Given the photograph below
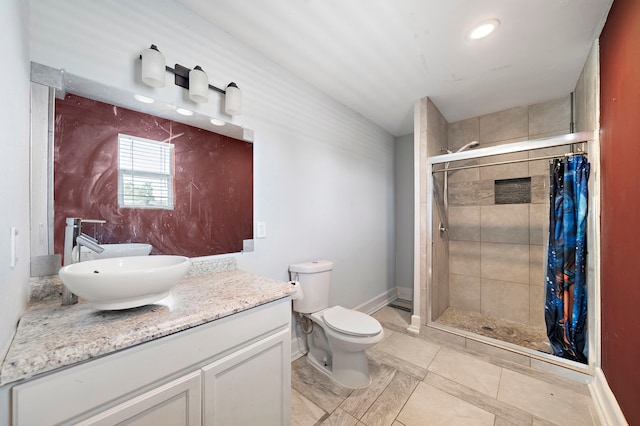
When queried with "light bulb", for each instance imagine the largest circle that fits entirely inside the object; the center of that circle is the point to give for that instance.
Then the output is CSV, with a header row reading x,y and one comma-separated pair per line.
x,y
483,29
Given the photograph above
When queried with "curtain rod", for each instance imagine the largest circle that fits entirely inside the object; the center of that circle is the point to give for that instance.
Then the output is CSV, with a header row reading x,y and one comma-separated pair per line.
x,y
546,157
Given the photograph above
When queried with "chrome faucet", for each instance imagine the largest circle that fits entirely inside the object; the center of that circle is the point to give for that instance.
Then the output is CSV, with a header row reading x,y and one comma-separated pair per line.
x,y
88,242
74,239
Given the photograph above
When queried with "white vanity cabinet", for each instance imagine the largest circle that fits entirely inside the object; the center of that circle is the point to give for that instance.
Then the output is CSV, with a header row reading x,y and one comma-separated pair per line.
x,y
249,387
232,371
177,403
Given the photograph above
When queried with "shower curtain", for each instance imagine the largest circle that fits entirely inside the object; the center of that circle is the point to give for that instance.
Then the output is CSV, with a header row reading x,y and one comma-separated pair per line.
x,y
566,290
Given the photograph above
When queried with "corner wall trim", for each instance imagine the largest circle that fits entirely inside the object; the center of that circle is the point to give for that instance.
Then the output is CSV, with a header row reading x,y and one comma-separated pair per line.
x,y
605,401
405,293
415,326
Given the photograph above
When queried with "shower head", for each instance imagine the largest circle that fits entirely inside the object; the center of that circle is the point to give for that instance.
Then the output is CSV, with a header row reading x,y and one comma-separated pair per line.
x,y
470,145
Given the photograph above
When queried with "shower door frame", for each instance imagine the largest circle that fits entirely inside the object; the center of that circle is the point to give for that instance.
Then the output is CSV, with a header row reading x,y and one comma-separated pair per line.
x,y
593,247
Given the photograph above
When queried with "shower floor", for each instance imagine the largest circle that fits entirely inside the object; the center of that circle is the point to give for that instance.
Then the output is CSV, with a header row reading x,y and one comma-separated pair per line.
x,y
524,335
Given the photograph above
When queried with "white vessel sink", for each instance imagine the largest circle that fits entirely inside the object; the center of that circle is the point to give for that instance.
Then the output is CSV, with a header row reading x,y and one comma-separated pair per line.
x,y
115,250
124,282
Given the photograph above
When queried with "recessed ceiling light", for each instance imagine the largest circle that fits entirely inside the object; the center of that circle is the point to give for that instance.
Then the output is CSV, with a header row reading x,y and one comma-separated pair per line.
x,y
183,111
143,99
217,122
483,29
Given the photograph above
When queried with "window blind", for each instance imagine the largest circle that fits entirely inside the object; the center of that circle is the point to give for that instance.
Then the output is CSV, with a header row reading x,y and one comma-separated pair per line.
x,y
145,173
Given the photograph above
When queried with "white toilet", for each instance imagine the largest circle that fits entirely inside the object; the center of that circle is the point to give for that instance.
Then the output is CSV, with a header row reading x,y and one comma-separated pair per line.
x,y
338,337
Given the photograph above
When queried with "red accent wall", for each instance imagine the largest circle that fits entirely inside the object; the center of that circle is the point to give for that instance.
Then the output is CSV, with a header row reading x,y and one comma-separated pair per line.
x,y
213,182
620,220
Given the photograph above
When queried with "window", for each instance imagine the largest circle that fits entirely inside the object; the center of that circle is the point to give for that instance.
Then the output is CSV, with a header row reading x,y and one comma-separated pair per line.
x,y
145,173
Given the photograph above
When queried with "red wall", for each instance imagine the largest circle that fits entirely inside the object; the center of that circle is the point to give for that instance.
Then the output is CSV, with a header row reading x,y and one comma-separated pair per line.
x,y
213,182
620,221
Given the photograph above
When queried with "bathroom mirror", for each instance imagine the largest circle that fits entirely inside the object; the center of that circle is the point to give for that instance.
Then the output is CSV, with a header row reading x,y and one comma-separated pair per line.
x,y
212,181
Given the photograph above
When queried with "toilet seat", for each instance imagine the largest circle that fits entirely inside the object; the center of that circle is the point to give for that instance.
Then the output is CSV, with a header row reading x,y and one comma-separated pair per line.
x,y
350,322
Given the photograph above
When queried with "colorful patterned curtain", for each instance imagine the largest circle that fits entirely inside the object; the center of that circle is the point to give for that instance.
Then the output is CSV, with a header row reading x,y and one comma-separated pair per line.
x,y
566,289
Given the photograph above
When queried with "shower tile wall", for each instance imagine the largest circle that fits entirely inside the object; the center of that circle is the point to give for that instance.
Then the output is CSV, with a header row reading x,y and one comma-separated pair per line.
x,y
496,252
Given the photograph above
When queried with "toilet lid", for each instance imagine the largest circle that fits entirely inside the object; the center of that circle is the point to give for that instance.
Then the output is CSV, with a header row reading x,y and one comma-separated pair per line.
x,y
351,322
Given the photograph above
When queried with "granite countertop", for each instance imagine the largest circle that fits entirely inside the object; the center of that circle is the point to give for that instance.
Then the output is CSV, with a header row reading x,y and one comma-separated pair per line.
x,y
51,336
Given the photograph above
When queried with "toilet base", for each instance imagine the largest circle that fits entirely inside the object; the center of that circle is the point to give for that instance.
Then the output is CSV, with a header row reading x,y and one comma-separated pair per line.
x,y
341,357
342,371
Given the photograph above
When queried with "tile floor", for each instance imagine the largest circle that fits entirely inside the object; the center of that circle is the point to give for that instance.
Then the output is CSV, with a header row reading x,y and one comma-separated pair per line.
x,y
428,381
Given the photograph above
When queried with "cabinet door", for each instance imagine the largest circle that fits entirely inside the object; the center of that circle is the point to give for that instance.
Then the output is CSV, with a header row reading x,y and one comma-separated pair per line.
x,y
175,403
251,386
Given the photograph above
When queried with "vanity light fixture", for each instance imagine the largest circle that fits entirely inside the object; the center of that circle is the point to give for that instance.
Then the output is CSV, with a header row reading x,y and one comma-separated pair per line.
x,y
153,67
198,85
233,100
195,80
483,29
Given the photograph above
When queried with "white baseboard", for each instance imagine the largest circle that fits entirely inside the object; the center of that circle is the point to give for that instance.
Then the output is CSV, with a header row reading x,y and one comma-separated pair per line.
x,y
298,345
295,350
377,302
605,401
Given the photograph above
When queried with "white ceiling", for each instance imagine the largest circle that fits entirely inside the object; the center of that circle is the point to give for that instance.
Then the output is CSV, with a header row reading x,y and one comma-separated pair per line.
x,y
379,56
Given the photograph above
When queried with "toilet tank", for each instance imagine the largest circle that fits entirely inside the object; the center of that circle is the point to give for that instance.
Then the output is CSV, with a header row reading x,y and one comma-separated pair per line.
x,y
315,282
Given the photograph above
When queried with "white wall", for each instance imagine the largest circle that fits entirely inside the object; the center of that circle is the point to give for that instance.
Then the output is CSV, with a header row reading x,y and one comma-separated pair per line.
x,y
14,177
323,174
404,213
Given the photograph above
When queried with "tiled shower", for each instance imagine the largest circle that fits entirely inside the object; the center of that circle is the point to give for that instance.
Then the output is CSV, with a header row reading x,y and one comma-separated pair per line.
x,y
489,264
483,278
